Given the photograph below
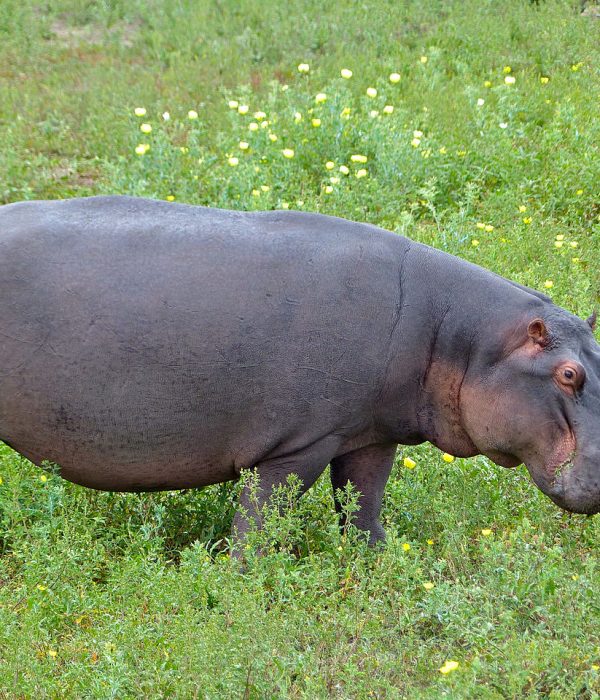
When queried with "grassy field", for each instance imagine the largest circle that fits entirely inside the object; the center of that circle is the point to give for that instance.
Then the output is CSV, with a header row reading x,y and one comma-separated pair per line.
x,y
485,144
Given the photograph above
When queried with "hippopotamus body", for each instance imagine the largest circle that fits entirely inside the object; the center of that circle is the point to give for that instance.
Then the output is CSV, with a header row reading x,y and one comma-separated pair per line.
x,y
147,345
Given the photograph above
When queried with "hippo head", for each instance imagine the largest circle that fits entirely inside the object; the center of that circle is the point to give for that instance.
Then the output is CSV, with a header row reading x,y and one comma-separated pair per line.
x,y
534,397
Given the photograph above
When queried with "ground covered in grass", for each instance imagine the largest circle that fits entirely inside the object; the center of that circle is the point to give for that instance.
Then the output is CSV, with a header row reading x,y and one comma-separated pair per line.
x,y
470,126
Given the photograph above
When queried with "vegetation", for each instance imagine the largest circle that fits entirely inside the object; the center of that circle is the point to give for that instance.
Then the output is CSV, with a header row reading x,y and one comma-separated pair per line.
x,y
486,145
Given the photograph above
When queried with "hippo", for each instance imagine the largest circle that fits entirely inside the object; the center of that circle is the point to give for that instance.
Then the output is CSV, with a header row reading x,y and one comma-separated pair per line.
x,y
147,345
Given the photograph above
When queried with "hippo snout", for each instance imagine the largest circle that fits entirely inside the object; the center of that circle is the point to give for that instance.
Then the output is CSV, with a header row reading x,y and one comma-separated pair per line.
x,y
577,487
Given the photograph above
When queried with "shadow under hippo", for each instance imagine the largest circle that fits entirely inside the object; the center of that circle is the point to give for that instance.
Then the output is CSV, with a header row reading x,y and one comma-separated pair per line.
x,y
147,345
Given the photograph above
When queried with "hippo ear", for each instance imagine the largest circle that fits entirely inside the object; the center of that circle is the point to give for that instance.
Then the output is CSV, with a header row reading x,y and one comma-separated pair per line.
x,y
538,332
591,320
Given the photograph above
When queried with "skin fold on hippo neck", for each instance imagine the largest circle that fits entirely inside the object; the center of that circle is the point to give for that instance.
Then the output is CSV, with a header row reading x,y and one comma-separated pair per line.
x,y
431,357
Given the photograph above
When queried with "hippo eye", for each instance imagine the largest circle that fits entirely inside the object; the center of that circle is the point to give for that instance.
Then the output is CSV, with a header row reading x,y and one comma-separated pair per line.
x,y
570,377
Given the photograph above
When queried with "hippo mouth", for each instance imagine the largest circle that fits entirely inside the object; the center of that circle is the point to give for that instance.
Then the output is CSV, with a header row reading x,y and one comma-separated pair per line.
x,y
550,476
567,489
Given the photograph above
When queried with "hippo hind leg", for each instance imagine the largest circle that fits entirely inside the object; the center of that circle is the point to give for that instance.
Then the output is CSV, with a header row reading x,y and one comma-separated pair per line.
x,y
308,464
367,469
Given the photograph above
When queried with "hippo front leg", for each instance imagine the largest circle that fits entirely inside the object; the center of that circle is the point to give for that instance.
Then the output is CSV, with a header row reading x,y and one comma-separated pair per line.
x,y
308,464
367,469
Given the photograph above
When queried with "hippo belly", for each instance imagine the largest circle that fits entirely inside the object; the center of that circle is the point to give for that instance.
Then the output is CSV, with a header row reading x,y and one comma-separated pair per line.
x,y
151,346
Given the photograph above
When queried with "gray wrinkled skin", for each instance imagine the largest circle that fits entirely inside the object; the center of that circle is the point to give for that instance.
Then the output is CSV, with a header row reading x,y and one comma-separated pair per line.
x,y
146,345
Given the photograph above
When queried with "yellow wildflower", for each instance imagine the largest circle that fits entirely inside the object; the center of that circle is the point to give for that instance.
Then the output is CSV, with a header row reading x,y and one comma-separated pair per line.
x,y
320,97
315,122
480,225
297,117
371,92
573,244
243,109
486,532
488,228
145,128
548,284
344,169
361,173
388,109
544,80
253,126
334,180
288,152
560,237
142,148
233,104
558,244
579,192
374,113
510,80
273,137
170,198
192,114
303,68
522,208
406,547
394,77
346,73
265,188
42,588
233,161
527,220
430,542
415,142
507,69
423,59
244,145
166,116
449,666
428,585
259,115
474,242
330,165
328,189
409,463
487,83
140,111
43,478
447,457
358,158
52,653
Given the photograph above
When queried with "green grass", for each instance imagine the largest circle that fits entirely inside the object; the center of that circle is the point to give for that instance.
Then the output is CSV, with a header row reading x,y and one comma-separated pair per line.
x,y
127,596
